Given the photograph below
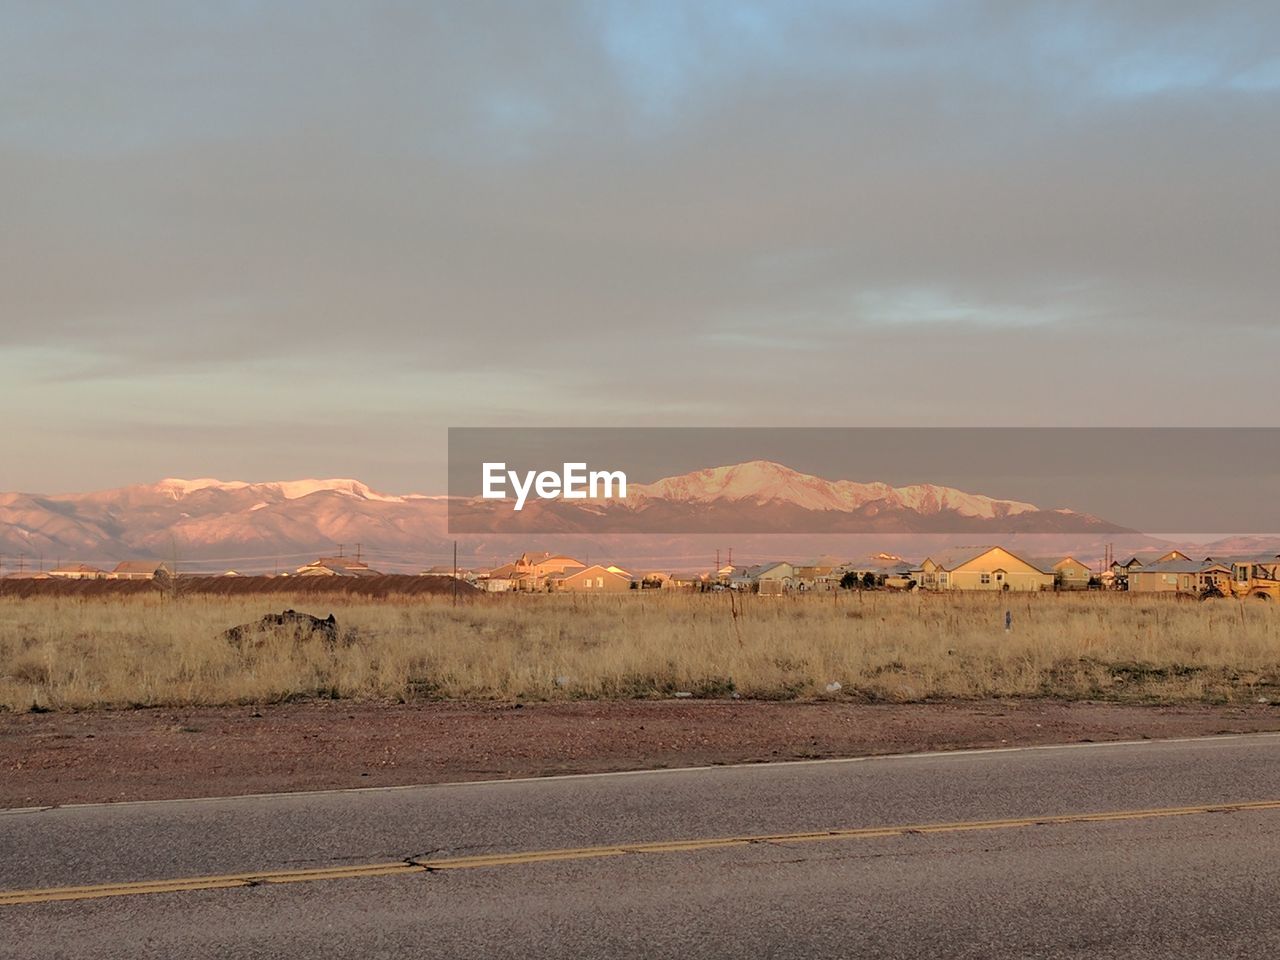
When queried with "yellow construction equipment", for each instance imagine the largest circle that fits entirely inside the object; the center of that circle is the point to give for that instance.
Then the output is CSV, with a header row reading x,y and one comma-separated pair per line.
x,y
1249,578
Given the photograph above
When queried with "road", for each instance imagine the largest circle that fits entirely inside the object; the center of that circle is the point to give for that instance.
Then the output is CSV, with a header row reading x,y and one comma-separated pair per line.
x,y
1153,849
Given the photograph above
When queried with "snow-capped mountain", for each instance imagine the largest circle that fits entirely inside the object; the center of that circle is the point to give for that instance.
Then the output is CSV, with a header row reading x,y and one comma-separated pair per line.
x,y
289,489
206,518
764,482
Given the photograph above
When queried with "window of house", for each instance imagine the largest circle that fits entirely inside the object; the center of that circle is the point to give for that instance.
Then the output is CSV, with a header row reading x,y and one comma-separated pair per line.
x,y
986,578
599,581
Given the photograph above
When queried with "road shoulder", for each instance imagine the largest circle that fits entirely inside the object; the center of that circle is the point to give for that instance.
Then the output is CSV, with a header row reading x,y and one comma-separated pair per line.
x,y
103,756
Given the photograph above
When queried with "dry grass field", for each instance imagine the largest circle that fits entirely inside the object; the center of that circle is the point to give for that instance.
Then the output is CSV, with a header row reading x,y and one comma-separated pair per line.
x,y
152,650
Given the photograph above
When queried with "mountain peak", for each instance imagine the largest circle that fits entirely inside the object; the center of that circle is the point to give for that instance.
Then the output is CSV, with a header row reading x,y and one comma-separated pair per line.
x,y
767,481
757,480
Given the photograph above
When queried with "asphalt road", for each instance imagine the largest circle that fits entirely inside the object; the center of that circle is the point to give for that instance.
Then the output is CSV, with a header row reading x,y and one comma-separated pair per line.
x,y
1159,849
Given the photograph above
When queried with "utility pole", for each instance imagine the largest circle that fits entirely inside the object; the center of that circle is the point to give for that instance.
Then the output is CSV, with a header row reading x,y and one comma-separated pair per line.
x,y
455,573
22,559
357,553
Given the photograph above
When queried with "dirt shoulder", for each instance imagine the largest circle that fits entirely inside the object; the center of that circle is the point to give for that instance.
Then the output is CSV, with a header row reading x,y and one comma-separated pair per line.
x,y
49,759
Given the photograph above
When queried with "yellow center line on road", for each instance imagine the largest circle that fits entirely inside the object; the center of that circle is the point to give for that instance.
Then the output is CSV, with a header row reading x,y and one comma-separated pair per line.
x,y
519,858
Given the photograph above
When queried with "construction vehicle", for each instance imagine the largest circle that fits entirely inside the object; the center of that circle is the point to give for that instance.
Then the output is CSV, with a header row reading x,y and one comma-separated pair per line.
x,y
1257,578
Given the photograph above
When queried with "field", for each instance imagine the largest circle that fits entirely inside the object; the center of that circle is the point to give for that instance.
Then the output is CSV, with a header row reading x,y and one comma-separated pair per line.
x,y
73,653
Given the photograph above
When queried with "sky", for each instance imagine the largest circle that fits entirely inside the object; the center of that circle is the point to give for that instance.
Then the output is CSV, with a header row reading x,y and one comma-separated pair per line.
x,y
268,241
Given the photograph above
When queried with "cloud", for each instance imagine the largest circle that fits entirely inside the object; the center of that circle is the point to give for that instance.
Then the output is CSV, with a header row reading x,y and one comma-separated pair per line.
x,y
707,211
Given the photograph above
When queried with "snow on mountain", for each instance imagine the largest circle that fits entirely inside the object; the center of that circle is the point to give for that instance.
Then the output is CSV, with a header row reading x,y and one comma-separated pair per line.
x,y
758,481
927,498
296,489
767,482
177,488
288,489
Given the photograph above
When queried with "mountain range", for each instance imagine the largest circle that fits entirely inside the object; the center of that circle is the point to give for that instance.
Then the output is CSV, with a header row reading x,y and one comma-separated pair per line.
x,y
215,524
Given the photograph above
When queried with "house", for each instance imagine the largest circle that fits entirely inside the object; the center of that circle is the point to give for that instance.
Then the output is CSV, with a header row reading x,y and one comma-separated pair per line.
x,y
774,577
592,579
818,574
767,578
1068,572
816,577
78,571
336,567
505,578
1191,577
686,581
980,568
779,571
531,570
880,569
544,563
140,570
528,572
1116,577
1120,570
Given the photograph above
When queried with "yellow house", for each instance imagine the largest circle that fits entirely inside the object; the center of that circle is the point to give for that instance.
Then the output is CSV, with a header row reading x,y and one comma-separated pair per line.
x,y
1069,573
592,579
980,568
532,571
541,565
